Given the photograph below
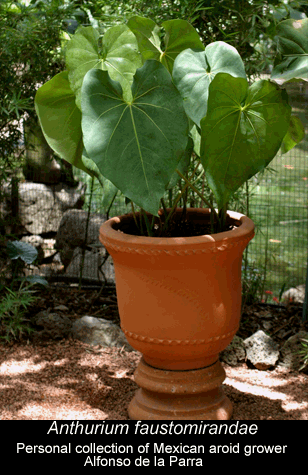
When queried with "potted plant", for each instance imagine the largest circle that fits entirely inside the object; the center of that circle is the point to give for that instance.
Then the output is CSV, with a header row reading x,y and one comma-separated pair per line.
x,y
131,112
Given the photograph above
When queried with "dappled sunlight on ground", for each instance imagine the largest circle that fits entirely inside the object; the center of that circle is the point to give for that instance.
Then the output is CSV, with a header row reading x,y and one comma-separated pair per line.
x,y
71,380
272,394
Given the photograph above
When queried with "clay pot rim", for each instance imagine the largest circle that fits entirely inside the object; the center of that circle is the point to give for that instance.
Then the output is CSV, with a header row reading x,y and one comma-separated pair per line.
x,y
109,232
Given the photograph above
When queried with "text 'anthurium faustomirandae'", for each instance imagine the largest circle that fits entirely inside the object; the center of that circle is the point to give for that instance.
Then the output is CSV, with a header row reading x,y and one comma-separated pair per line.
x,y
242,131
135,144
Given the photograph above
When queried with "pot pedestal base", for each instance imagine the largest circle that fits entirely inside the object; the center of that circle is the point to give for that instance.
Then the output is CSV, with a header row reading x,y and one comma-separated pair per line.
x,y
180,395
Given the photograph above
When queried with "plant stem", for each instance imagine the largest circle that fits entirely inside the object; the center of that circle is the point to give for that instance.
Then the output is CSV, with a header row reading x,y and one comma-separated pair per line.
x,y
147,223
164,207
170,198
110,206
134,215
86,235
198,192
180,194
222,218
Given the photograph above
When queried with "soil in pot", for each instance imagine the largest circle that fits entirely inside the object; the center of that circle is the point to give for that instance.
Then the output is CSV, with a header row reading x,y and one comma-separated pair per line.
x,y
178,226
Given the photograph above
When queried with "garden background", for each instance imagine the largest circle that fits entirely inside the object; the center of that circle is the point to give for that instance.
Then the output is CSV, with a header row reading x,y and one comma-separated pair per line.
x,y
33,36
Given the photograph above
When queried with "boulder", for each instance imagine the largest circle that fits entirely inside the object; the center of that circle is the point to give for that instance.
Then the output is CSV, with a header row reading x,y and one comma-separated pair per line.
x,y
72,229
52,325
289,353
41,206
48,246
295,295
99,331
261,350
5,199
234,353
71,239
92,265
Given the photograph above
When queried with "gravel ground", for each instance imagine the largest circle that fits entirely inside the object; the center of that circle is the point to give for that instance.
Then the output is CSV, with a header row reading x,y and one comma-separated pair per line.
x,y
68,379
71,380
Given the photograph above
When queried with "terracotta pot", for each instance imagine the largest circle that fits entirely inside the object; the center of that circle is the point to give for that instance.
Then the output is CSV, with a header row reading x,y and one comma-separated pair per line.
x,y
179,300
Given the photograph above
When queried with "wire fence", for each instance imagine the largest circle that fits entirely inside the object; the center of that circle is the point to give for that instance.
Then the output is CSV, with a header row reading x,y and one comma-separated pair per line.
x,y
278,205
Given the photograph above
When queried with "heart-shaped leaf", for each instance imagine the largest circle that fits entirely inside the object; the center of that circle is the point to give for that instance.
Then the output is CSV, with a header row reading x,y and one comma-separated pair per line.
x,y
183,164
136,145
60,119
179,35
118,54
148,37
193,72
242,131
292,61
36,279
24,250
295,134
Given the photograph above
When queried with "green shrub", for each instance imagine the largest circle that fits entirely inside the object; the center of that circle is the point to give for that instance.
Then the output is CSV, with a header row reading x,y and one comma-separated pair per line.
x,y
30,52
20,294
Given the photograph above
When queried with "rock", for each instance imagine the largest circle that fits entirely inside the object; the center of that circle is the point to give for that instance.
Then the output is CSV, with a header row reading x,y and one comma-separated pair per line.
x,y
92,265
234,353
5,201
261,350
70,240
98,331
72,229
53,325
289,357
295,295
62,308
41,206
48,246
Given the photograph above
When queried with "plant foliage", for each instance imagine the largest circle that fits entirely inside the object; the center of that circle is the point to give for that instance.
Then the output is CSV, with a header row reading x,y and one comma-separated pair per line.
x,y
132,100
292,61
16,298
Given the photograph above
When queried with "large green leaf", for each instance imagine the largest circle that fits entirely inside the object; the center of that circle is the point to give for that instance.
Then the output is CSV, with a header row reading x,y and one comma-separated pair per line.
x,y
183,164
60,119
179,35
193,72
118,54
147,33
292,62
242,131
136,145
294,136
